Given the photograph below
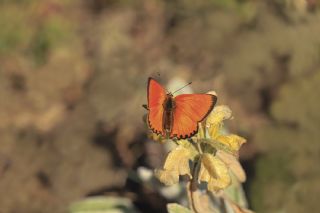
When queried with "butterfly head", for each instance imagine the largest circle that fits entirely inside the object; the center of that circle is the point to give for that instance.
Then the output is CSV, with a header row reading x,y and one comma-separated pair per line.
x,y
169,103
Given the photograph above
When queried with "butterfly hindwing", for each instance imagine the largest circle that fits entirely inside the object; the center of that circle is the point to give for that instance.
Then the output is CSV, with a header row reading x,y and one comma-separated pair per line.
x,y
156,97
189,110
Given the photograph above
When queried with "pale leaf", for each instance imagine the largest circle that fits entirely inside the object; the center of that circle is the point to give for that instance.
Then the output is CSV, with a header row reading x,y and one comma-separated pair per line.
x,y
200,201
192,152
214,130
176,163
178,160
214,172
233,164
233,141
215,118
219,114
167,177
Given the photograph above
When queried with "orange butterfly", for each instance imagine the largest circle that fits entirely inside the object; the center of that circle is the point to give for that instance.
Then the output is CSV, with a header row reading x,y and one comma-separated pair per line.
x,y
176,117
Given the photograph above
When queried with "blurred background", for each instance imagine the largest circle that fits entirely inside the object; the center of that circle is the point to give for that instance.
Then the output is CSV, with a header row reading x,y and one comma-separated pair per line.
x,y
73,77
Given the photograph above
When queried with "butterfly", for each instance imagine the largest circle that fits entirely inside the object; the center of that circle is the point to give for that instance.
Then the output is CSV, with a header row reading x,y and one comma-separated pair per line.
x,y
176,117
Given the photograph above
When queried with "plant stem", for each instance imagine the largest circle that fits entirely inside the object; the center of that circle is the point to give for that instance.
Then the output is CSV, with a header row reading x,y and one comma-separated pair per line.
x,y
199,148
192,187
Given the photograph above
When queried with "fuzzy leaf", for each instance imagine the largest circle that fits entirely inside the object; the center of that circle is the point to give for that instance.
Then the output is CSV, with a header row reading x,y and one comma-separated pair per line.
x,y
219,114
177,163
234,142
214,130
192,152
178,160
167,177
214,120
214,172
233,164
176,208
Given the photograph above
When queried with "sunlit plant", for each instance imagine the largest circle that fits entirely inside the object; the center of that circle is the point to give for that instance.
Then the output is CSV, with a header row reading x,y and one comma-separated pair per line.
x,y
209,163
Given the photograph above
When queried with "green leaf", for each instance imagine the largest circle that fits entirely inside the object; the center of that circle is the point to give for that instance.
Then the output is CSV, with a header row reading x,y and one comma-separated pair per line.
x,y
102,205
176,208
218,145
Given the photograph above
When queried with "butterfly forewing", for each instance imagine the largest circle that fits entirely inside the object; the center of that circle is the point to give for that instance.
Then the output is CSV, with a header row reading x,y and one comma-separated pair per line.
x,y
189,110
156,97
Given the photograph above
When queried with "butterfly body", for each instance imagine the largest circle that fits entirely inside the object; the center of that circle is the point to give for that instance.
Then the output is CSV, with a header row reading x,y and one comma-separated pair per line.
x,y
168,111
176,117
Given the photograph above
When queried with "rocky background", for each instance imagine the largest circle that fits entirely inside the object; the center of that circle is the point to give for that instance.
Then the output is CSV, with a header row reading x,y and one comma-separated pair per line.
x,y
73,78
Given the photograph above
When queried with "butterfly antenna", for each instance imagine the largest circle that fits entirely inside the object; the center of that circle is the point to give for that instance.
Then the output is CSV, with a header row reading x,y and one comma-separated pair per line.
x,y
182,87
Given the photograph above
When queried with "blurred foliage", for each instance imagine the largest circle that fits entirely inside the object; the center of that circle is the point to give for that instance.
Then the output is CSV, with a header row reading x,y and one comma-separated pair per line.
x,y
176,208
293,148
72,81
53,33
17,33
